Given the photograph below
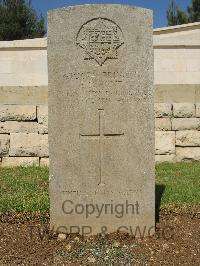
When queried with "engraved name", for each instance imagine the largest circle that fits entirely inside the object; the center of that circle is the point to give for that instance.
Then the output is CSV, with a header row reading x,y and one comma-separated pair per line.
x,y
116,76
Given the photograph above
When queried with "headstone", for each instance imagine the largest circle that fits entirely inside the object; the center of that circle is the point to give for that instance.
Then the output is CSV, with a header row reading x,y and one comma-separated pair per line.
x,y
101,119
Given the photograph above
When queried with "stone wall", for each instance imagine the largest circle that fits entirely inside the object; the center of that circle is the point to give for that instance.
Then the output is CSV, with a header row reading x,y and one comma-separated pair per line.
x,y
24,97
24,133
177,132
177,54
176,58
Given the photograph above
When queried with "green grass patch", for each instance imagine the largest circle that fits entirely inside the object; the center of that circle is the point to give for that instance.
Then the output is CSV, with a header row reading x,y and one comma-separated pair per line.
x,y
180,183
26,189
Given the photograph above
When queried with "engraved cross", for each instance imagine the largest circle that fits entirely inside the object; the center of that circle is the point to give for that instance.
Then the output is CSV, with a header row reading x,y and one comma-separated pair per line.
x,y
101,136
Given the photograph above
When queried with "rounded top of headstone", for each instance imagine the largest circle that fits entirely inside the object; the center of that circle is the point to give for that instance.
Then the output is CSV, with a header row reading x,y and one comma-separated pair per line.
x,y
100,6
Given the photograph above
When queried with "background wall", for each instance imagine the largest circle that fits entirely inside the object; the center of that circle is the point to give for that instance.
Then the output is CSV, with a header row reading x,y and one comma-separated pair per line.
x,y
24,97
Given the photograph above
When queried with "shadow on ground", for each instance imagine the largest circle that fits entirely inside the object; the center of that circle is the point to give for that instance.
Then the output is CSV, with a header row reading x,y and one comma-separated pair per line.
x,y
159,190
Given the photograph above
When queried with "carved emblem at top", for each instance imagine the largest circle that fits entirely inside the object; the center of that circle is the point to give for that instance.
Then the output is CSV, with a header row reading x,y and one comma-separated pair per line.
x,y
100,38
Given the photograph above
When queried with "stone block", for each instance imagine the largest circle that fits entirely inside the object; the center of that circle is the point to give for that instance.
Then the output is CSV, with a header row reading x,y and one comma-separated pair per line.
x,y
184,110
4,144
174,93
19,161
165,158
185,123
24,95
22,144
42,116
197,109
162,124
187,154
18,127
17,112
164,142
188,138
163,109
44,161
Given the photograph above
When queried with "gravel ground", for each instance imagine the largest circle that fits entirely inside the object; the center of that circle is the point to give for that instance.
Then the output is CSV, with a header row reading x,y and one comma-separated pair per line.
x,y
25,240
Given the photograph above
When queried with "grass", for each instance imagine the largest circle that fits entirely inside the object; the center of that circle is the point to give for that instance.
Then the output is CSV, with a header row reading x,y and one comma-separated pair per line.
x,y
26,189
180,183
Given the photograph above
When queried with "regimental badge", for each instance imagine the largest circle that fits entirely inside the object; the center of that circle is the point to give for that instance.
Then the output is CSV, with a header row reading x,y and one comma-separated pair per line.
x,y
100,38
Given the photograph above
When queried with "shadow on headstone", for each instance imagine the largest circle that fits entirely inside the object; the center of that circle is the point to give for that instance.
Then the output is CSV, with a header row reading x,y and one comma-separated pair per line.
x,y
159,192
